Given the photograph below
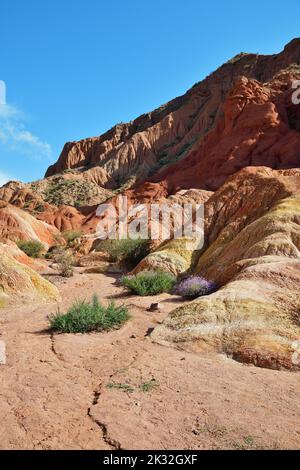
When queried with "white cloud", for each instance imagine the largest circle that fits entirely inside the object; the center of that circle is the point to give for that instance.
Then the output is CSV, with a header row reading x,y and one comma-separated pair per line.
x,y
15,136
8,112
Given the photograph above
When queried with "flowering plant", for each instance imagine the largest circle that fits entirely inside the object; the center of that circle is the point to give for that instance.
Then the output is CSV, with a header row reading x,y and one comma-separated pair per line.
x,y
194,286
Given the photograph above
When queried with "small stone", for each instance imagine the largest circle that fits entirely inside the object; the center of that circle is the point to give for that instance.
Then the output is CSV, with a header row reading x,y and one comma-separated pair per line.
x,y
155,307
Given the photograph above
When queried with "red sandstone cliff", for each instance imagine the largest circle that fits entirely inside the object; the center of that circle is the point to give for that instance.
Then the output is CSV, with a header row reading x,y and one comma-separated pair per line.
x,y
175,131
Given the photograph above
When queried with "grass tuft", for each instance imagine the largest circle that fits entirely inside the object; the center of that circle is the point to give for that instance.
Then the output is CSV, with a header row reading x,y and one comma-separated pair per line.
x,y
149,386
149,283
84,317
118,386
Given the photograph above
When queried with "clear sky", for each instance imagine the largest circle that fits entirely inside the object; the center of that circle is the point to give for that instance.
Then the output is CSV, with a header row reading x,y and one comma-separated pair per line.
x,y
75,68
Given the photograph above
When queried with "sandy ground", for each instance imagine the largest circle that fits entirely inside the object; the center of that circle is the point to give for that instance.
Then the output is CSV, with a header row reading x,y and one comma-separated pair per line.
x,y
119,390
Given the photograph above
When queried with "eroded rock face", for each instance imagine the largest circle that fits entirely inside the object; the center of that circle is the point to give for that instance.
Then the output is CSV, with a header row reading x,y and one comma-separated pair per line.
x,y
253,252
11,248
17,224
62,201
177,255
64,218
19,280
21,195
260,126
174,131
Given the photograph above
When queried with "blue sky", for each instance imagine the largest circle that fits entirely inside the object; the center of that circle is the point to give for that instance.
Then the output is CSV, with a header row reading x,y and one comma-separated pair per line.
x,y
74,68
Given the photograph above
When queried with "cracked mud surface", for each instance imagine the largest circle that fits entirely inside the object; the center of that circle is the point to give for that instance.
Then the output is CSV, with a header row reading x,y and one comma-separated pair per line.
x,y
119,390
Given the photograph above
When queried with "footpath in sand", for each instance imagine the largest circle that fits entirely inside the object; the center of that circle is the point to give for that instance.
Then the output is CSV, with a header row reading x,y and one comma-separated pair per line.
x,y
119,390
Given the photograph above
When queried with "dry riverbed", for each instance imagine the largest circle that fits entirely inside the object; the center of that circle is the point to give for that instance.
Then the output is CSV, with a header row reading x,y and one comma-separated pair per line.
x,y
119,390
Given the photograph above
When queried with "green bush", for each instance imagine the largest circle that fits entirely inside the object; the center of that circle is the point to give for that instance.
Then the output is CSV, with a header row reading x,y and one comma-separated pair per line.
x,y
52,252
32,248
149,386
65,261
149,283
84,317
130,252
71,236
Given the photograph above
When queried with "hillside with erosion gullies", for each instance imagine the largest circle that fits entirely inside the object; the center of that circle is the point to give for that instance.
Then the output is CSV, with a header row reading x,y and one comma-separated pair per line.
x,y
175,370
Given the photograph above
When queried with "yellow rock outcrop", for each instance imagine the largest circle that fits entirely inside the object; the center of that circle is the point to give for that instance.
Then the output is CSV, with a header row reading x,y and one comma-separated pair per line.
x,y
19,280
254,256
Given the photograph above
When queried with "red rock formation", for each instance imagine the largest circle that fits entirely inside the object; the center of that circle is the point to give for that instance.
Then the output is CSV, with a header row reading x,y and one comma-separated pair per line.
x,y
260,126
63,218
167,134
241,115
16,224
30,198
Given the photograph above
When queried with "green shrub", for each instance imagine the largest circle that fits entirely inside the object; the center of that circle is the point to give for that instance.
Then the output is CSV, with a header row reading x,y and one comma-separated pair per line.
x,y
130,252
65,261
149,386
51,252
32,248
125,387
84,317
71,236
149,283
119,386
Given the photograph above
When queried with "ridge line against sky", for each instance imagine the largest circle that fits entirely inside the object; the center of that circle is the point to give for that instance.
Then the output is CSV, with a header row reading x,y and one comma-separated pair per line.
x,y
74,69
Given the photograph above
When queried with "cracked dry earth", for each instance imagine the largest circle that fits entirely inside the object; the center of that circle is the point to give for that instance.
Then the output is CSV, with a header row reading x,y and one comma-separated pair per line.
x,y
92,391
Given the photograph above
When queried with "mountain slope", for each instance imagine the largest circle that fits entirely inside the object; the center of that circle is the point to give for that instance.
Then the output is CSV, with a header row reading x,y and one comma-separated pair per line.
x,y
140,148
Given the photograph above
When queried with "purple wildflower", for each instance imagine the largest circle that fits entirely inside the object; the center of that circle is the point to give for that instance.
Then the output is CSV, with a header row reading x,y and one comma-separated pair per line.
x,y
195,286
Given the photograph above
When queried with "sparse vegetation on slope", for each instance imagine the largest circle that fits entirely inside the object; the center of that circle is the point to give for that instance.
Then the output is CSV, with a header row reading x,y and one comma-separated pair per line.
x,y
69,189
70,236
31,248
